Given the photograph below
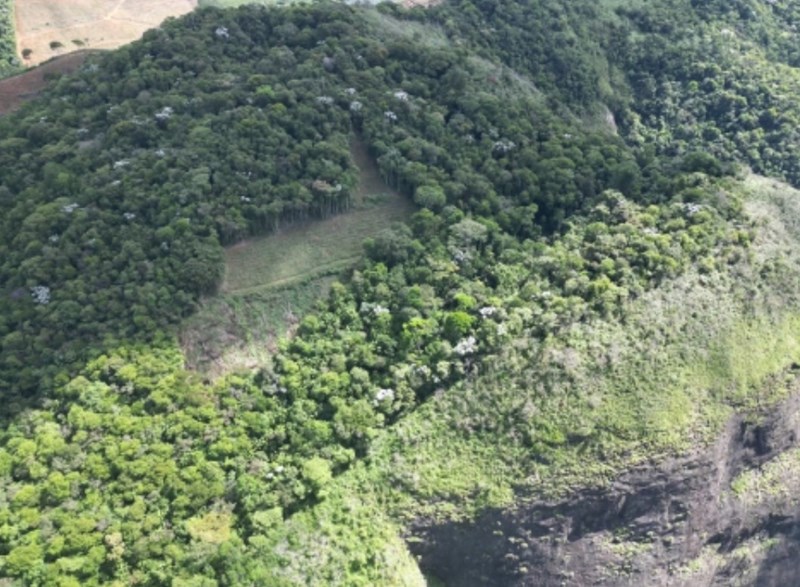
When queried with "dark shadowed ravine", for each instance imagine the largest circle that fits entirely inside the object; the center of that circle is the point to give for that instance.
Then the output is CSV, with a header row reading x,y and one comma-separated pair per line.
x,y
679,523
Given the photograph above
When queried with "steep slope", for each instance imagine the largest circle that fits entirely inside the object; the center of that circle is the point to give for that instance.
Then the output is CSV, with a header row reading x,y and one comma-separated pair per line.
x,y
720,509
664,458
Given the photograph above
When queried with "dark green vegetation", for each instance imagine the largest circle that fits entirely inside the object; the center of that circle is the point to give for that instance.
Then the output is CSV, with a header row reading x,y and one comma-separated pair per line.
x,y
9,62
566,300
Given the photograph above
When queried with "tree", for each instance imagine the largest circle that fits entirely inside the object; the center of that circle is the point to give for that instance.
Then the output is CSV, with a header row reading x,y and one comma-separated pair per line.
x,y
430,196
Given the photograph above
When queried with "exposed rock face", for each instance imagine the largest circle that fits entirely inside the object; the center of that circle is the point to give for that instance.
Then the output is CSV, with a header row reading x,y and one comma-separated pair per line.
x,y
726,515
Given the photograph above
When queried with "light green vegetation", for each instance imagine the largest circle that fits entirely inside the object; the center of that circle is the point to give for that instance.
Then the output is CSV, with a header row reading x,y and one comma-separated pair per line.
x,y
745,557
564,305
348,540
611,393
231,332
661,382
776,482
454,466
430,465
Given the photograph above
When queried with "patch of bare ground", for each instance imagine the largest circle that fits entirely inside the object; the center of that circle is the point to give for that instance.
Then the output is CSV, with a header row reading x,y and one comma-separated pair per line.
x,y
47,28
16,90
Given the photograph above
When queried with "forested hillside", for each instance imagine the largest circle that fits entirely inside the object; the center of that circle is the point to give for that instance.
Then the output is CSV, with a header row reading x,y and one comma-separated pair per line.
x,y
573,294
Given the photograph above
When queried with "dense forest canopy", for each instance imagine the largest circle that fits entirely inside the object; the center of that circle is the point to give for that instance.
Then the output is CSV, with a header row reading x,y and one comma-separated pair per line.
x,y
9,62
566,159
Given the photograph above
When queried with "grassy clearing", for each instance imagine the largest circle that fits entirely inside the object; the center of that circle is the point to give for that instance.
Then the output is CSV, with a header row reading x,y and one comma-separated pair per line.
x,y
296,254
233,332
318,248
272,280
421,33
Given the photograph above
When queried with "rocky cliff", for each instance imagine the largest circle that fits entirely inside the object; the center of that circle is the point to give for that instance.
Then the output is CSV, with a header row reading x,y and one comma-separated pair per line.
x,y
725,514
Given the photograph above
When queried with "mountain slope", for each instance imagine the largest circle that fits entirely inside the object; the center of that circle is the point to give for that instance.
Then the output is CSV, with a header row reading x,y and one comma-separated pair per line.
x,y
585,287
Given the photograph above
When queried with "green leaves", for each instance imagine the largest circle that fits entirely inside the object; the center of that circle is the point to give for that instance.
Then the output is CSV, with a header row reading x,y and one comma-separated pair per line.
x,y
121,185
317,472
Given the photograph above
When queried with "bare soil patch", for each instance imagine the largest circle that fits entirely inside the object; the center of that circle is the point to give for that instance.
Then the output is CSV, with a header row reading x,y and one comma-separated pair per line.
x,y
14,91
47,28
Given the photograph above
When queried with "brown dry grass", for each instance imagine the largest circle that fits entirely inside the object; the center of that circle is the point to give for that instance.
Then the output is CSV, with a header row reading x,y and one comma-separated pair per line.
x,y
16,90
96,24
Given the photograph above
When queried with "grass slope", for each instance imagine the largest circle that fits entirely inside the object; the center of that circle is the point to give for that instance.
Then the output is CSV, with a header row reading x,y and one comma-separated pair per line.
x,y
302,252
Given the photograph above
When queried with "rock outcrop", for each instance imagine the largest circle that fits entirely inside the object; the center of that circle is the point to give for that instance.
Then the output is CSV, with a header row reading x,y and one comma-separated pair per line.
x,y
725,515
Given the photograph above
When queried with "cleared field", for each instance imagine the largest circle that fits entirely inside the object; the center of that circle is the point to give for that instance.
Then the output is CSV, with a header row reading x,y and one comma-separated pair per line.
x,y
240,332
326,246
321,247
273,281
46,28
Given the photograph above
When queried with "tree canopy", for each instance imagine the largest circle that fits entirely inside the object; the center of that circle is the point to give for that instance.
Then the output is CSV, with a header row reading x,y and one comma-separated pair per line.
x,y
122,183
